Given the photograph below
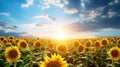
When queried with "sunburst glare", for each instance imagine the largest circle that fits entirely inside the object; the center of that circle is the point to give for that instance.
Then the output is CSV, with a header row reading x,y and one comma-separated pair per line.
x,y
60,34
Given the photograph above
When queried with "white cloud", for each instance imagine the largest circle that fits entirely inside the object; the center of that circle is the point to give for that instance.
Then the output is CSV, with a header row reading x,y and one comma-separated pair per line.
x,y
29,3
109,29
48,3
36,28
46,16
94,14
66,2
37,25
82,4
111,3
117,1
82,15
7,27
103,16
29,25
5,14
70,11
114,2
111,13
101,8
25,34
89,16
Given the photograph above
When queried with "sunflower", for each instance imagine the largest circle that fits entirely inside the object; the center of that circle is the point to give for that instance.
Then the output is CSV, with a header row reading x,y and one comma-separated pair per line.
x,y
16,41
5,41
118,38
1,46
114,53
81,48
62,48
2,38
54,61
49,40
11,37
37,44
97,44
8,44
104,42
12,54
50,45
22,44
11,40
37,38
89,43
76,44
118,42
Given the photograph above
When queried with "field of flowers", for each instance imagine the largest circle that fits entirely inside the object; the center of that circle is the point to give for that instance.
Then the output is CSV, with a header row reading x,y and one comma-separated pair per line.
x,y
38,52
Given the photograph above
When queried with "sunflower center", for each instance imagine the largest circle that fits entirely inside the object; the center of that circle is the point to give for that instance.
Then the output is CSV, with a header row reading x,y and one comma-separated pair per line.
x,y
62,48
9,44
104,42
2,39
50,45
23,44
88,44
115,53
11,38
53,64
37,44
119,42
17,41
13,54
81,48
76,44
5,41
97,44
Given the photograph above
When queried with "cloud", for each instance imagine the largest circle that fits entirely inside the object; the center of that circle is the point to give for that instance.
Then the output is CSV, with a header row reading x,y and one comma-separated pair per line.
x,y
25,34
5,13
114,2
83,3
6,27
46,16
29,25
46,25
70,11
38,25
111,13
97,15
68,6
66,2
7,30
93,26
48,3
72,7
16,34
29,3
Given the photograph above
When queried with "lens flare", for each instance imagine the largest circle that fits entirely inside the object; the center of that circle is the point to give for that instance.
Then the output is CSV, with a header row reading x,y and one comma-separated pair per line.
x,y
60,35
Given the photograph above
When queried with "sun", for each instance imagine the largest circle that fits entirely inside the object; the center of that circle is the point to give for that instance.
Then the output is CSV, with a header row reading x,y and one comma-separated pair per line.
x,y
60,34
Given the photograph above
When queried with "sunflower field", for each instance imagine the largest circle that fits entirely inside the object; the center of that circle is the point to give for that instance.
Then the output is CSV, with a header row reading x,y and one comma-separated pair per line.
x,y
40,52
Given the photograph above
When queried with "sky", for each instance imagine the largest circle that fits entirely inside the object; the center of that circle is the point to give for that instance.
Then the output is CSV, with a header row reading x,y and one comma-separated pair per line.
x,y
45,18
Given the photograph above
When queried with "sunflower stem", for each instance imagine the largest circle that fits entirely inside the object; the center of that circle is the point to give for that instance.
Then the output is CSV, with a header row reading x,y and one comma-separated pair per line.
x,y
31,57
113,63
14,64
87,58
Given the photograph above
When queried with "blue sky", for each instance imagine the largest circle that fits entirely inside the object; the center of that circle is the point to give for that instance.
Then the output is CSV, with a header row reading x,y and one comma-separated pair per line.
x,y
43,18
